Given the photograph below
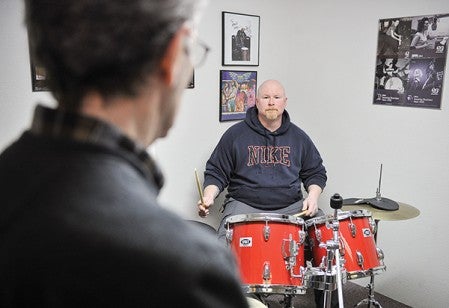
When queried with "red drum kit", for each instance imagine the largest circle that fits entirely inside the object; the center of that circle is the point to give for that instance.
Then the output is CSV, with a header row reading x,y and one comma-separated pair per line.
x,y
270,251
283,254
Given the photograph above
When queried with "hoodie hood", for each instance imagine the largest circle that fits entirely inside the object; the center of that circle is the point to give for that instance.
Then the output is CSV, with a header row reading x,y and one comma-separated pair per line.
x,y
252,120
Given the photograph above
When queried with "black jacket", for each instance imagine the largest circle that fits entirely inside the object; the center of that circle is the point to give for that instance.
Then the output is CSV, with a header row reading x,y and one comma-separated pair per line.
x,y
80,227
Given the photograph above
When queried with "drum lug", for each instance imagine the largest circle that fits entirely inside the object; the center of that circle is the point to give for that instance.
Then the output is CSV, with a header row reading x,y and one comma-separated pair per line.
x,y
372,225
352,229
229,235
302,237
266,274
342,247
360,259
380,254
266,232
318,235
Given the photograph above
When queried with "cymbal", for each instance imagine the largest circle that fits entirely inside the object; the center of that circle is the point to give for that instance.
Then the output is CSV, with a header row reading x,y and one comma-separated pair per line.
x,y
380,203
404,212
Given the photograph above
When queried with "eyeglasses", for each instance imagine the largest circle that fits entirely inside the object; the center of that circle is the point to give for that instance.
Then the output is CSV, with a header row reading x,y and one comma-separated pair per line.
x,y
199,53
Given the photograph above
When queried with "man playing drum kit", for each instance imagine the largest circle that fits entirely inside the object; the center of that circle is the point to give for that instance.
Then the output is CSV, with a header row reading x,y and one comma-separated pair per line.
x,y
263,161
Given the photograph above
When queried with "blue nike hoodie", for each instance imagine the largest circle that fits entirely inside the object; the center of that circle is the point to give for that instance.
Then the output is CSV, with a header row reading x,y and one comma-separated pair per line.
x,y
265,169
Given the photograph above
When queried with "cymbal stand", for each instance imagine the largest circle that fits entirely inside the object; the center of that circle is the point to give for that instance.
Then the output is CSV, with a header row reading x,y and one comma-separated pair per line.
x,y
370,300
333,251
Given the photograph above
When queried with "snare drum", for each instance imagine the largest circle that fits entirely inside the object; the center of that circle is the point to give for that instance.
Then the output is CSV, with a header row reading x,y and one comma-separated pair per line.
x,y
361,257
269,251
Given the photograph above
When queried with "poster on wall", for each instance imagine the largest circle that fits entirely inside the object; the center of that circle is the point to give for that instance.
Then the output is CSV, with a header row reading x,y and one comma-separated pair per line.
x,y
237,94
411,59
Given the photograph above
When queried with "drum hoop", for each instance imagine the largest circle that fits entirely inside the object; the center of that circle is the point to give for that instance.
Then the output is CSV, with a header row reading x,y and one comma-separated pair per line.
x,y
365,273
341,216
273,288
360,213
267,217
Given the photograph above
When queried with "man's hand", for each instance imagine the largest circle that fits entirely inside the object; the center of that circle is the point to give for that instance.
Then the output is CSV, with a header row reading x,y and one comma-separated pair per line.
x,y
210,192
310,204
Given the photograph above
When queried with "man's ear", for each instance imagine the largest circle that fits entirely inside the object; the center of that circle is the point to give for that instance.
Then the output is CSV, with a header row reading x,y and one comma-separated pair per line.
x,y
172,52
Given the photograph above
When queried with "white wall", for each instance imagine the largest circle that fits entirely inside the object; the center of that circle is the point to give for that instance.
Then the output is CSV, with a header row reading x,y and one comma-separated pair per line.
x,y
324,52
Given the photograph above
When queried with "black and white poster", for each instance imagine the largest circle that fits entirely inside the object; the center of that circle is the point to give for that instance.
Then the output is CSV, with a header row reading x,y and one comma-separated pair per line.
x,y
411,59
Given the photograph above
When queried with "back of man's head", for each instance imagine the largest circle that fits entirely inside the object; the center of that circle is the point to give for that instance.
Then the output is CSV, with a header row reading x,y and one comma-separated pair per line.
x,y
110,46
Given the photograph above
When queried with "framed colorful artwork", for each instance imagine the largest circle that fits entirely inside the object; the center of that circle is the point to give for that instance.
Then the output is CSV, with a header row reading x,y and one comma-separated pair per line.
x,y
237,94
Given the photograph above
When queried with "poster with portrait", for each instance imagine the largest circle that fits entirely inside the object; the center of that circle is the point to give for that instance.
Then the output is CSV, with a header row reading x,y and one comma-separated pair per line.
x,y
411,59
237,94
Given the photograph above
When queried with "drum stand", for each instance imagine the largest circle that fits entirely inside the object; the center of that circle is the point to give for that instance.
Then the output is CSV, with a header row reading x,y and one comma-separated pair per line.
x,y
370,300
333,251
287,301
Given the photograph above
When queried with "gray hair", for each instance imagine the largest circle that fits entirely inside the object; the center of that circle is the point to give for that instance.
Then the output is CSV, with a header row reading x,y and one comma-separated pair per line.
x,y
110,46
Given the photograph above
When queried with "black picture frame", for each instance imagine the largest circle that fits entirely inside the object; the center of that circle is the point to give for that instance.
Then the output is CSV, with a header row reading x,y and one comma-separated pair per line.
x,y
237,94
240,39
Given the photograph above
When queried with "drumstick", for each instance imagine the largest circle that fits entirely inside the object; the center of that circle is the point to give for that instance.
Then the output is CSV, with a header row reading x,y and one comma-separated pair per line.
x,y
300,214
198,185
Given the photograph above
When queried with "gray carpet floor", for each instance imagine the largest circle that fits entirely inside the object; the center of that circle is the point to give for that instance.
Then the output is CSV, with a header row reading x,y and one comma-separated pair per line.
x,y
352,295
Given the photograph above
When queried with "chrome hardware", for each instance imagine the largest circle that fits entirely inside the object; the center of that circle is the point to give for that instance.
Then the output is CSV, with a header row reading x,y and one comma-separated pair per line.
x,y
229,234
318,235
372,225
290,252
266,275
380,254
266,231
323,262
342,247
360,259
289,255
302,237
352,228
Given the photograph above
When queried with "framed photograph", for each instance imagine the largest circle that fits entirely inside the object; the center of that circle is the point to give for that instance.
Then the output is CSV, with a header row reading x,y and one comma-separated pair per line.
x,y
240,39
237,94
